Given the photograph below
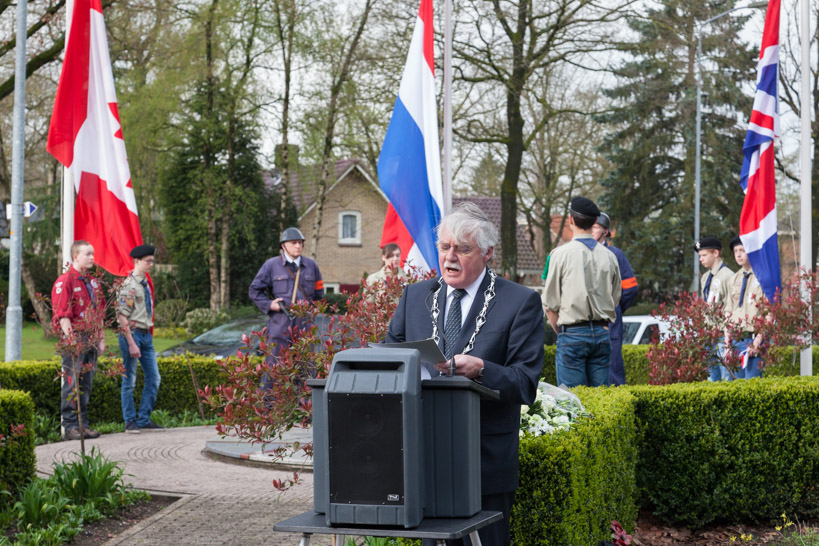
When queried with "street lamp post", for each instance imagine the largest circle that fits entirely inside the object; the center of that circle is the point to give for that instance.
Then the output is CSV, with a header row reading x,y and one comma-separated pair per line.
x,y
698,151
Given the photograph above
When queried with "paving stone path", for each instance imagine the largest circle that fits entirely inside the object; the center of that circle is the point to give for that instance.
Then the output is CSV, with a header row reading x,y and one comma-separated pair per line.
x,y
223,502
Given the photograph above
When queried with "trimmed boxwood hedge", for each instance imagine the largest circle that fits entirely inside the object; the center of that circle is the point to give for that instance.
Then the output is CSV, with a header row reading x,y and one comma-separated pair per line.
x,y
637,367
176,393
17,460
737,452
574,483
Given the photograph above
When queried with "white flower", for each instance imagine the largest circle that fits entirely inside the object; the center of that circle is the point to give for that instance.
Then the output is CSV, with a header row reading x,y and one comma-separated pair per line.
x,y
524,409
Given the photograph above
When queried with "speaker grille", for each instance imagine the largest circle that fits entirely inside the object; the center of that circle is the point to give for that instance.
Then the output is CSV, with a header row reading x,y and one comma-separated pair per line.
x,y
366,448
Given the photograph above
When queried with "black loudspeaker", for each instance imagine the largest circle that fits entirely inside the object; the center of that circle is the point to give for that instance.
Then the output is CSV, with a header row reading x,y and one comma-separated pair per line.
x,y
366,448
368,440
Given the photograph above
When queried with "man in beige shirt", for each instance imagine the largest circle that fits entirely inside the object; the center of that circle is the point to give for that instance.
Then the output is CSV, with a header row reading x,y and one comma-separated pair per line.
x,y
376,282
580,296
714,289
135,305
744,294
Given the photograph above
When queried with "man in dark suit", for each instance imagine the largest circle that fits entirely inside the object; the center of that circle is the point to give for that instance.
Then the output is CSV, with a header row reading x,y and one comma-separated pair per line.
x,y
494,331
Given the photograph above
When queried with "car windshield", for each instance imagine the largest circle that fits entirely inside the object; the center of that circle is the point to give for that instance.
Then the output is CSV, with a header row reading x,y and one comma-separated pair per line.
x,y
231,332
630,331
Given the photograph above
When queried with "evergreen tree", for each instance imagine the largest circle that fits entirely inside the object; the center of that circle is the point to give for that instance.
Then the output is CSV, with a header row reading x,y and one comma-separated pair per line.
x,y
649,191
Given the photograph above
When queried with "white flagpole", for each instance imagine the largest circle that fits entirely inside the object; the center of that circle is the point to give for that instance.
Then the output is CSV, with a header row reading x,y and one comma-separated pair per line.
x,y
447,174
805,229
67,216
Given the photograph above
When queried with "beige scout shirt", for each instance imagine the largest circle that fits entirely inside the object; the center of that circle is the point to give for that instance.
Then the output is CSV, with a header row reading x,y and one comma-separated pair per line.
x,y
582,284
131,302
743,316
380,278
721,281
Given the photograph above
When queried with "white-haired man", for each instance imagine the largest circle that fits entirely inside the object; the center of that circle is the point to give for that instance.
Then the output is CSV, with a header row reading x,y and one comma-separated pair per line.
x,y
504,353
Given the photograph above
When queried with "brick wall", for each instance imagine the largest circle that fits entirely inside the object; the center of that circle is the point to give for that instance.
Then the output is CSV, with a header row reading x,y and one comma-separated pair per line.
x,y
346,264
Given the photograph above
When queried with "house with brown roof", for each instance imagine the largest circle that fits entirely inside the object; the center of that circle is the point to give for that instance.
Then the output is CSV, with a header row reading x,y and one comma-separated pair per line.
x,y
353,219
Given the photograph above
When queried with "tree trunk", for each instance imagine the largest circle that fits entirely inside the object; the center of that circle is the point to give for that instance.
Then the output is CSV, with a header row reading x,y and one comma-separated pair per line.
x,y
329,131
213,261
511,177
286,39
224,288
40,308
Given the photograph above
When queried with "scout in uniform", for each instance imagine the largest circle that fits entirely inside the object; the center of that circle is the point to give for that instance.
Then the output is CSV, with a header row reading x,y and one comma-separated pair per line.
x,y
78,307
744,293
580,297
601,230
391,257
135,306
714,288
282,281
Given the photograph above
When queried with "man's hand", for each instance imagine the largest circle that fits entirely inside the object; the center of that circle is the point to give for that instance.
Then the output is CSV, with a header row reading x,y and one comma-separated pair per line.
x,y
133,350
275,305
468,366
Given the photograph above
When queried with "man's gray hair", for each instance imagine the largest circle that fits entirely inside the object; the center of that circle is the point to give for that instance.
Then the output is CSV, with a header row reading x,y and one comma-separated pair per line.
x,y
468,220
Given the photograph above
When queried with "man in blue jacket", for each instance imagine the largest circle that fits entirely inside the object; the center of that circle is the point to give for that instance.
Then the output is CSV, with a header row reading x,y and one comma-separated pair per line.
x,y
601,231
282,281
493,329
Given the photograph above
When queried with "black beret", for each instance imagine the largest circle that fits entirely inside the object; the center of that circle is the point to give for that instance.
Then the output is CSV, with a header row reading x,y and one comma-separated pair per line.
x,y
707,243
584,206
736,241
142,250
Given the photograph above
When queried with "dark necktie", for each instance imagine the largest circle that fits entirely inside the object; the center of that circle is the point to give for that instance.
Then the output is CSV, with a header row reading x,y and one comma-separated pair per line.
x,y
744,285
453,323
89,289
147,297
707,286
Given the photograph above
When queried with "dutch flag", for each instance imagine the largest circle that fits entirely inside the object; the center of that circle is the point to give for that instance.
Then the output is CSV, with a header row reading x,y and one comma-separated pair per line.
x,y
757,222
409,167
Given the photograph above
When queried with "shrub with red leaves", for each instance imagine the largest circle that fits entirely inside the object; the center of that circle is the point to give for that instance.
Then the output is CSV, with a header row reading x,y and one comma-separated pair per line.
x,y
245,410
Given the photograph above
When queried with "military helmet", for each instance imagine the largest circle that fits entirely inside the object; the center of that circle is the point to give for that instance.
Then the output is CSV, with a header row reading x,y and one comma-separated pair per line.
x,y
291,234
604,220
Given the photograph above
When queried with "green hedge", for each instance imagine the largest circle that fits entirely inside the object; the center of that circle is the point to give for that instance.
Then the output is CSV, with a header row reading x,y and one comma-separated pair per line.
x,y
737,452
17,460
574,483
637,367
176,393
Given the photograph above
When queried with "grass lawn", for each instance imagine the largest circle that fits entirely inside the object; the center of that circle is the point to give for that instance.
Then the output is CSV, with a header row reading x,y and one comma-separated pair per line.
x,y
36,347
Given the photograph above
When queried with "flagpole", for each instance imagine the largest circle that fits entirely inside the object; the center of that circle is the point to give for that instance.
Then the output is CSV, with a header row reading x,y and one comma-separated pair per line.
x,y
805,229
67,216
14,311
447,106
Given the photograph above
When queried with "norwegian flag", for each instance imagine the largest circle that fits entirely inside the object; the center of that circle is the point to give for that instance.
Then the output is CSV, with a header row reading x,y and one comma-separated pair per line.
x,y
86,137
757,222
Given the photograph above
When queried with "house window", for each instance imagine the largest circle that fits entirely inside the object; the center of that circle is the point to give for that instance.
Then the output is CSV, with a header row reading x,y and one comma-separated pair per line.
x,y
349,228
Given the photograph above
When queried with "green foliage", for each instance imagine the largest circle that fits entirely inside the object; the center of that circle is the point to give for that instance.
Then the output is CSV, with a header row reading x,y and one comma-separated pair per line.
x,y
176,393
46,428
39,505
53,511
91,478
783,362
199,320
649,191
738,451
573,483
169,312
17,459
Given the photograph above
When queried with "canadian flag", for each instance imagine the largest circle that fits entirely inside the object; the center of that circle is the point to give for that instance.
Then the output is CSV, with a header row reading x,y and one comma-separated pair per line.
x,y
85,135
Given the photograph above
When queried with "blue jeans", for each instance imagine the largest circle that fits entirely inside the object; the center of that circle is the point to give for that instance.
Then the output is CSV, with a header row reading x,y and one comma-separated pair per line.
x,y
718,372
752,370
145,342
582,357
